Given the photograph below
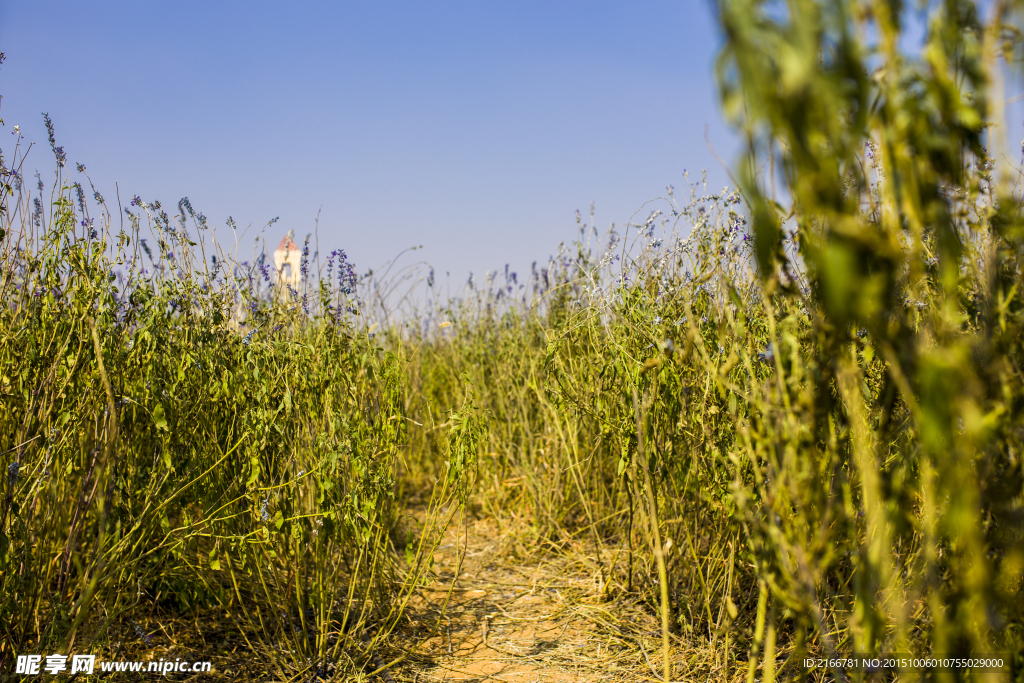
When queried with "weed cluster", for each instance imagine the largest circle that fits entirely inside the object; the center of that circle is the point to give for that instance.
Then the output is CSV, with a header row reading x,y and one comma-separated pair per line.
x,y
183,433
787,430
806,431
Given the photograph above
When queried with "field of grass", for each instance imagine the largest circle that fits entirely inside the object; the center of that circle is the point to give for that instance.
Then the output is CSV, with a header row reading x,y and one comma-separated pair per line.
x,y
783,420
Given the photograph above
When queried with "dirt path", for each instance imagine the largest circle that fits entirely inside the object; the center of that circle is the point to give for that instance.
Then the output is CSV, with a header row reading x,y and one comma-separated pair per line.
x,y
522,621
517,614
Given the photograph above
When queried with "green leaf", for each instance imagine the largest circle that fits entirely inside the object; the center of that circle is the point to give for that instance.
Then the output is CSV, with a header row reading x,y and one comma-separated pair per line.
x,y
254,471
410,543
158,417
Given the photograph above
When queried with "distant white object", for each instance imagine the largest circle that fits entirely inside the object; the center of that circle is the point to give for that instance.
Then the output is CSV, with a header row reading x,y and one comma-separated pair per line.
x,y
287,261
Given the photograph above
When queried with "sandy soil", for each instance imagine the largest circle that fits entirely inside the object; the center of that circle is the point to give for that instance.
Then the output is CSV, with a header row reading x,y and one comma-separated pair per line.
x,y
528,620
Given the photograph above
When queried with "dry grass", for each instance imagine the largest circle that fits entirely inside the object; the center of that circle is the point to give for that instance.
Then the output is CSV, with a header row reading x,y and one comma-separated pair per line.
x,y
522,613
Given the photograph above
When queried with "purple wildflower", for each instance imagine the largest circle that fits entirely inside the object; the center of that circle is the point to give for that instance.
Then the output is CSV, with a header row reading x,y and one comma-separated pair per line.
x,y
346,273
142,634
58,152
304,262
248,338
81,196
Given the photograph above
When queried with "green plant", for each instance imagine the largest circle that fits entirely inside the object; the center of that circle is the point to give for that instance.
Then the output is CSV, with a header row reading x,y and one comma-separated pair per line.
x,y
181,433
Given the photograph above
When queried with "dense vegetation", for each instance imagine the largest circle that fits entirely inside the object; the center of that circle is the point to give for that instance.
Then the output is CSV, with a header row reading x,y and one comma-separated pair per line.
x,y
813,424
180,434
798,404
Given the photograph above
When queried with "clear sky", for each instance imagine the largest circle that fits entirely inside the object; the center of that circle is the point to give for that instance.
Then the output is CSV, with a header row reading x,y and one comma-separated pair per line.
x,y
476,129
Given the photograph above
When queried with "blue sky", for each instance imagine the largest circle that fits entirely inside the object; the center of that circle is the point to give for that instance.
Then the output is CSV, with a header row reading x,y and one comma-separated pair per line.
x,y
475,129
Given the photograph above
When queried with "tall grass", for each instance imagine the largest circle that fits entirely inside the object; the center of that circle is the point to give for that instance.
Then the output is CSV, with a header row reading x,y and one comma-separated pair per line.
x,y
806,431
786,417
673,407
179,434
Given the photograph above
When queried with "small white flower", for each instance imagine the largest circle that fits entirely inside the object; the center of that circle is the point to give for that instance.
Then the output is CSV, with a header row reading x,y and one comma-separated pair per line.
x,y
17,130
